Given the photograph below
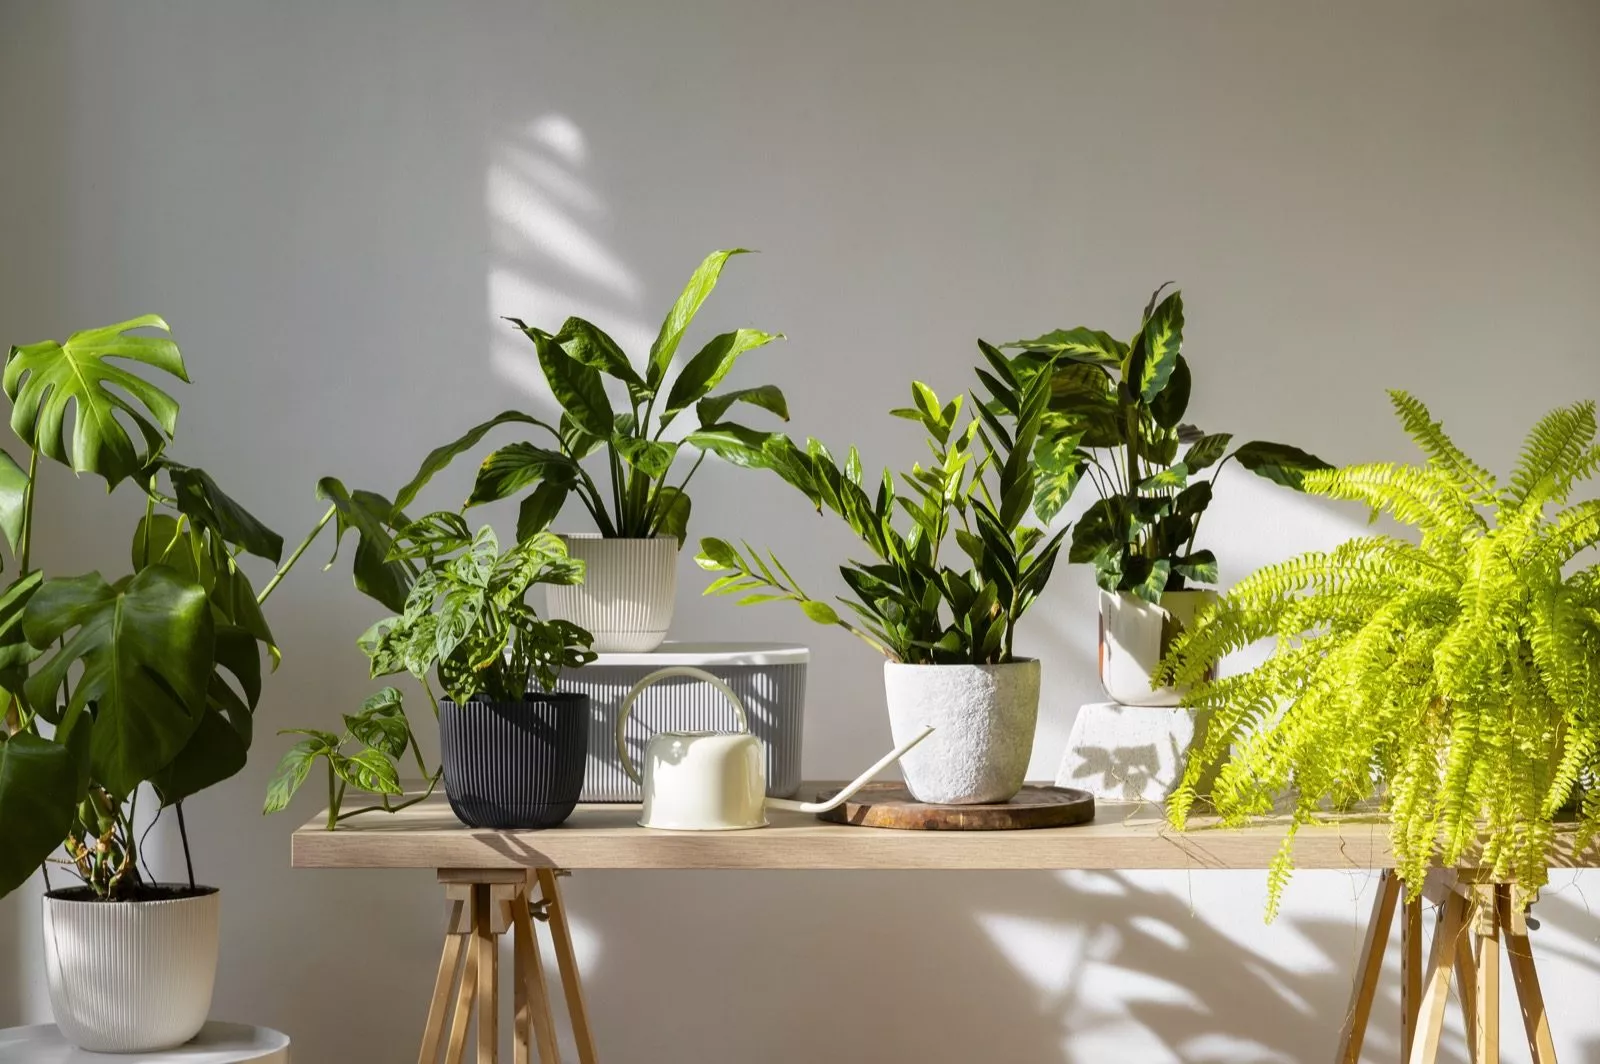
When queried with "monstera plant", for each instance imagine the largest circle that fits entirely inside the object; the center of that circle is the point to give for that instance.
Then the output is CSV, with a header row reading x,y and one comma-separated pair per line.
x,y
111,684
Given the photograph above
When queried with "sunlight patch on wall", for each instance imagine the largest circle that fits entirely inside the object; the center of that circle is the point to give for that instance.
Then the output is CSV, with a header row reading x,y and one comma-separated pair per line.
x,y
550,256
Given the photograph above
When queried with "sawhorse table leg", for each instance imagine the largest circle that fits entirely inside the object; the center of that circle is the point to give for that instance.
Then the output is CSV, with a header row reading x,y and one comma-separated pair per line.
x,y
1476,917
484,904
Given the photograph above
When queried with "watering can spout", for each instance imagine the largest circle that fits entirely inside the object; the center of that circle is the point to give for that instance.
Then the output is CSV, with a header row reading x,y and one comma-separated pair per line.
x,y
849,790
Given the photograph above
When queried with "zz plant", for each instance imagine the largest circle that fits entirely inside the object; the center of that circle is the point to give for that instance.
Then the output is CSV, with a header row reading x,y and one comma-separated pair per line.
x,y
149,678
1456,672
954,565
467,622
1116,415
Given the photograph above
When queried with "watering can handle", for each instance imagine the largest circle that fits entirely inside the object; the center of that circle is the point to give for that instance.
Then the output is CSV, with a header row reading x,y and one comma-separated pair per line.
x,y
628,764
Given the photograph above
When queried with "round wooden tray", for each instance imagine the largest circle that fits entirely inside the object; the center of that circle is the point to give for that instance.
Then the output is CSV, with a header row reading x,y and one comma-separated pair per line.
x,y
890,805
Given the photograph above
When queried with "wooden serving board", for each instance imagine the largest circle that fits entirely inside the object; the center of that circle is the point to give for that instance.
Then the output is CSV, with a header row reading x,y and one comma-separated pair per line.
x,y
890,805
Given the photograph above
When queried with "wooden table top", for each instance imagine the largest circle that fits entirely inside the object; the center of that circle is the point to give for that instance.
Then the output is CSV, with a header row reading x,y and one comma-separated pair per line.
x,y
1122,836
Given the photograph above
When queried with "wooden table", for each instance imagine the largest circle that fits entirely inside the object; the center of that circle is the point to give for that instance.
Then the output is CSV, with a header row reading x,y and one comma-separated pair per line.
x,y
503,881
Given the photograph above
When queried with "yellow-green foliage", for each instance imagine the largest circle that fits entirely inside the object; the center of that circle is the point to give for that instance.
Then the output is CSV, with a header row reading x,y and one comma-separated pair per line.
x,y
1456,677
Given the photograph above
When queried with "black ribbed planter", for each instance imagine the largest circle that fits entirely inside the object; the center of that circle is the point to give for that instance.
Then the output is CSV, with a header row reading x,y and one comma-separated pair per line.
x,y
514,764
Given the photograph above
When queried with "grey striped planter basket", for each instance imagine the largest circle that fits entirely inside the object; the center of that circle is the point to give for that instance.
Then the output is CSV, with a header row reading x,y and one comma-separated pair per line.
x,y
514,764
769,678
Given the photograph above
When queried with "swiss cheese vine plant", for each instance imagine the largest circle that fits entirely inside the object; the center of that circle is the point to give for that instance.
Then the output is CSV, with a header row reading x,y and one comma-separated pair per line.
x,y
148,678
466,622
954,563
1454,672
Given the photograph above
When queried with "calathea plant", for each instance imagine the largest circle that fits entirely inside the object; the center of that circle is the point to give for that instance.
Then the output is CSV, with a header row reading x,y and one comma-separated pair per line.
x,y
1455,672
466,621
1116,415
954,566
151,678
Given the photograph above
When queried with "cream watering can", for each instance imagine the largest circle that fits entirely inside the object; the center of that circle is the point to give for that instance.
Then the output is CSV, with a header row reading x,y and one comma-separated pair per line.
x,y
716,781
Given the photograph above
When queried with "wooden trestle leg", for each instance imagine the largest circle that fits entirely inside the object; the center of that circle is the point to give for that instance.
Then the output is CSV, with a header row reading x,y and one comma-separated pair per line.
x,y
1476,916
484,904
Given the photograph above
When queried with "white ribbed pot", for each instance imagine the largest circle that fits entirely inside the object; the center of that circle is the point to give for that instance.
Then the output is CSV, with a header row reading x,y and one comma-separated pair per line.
x,y
131,976
627,594
983,718
1135,635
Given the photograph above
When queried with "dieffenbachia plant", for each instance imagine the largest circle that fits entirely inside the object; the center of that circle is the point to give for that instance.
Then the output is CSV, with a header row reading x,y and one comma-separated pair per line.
x,y
1453,673
1116,412
150,678
955,567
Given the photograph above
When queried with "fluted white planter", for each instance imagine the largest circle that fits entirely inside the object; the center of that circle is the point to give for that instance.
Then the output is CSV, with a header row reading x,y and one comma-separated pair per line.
x,y
1135,635
983,718
131,977
626,598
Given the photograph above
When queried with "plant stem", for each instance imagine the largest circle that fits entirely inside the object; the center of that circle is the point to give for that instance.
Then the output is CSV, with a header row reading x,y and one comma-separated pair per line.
x,y
183,833
27,512
433,782
333,801
301,549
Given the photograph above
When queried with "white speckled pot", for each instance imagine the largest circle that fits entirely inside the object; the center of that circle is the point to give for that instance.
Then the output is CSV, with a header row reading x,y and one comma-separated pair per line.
x,y
131,976
983,718
627,594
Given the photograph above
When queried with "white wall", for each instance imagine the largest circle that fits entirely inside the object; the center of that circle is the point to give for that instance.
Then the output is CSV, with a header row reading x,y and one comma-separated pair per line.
x,y
332,202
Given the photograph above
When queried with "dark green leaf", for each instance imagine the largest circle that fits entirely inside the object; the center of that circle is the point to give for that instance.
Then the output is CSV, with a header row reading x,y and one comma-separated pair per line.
x,y
590,345
577,387
145,644
672,508
209,507
1206,450
540,507
1167,408
1162,336
43,379
1279,462
370,515
733,443
40,785
651,457
1200,567
705,370
515,466
766,396
440,457
683,311
217,750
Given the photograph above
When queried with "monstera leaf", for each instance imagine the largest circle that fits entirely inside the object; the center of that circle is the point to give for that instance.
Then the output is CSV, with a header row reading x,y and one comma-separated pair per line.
x,y
40,784
146,646
43,379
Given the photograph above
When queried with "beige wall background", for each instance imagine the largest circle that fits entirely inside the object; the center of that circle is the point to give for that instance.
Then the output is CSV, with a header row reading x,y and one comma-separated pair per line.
x,y
333,202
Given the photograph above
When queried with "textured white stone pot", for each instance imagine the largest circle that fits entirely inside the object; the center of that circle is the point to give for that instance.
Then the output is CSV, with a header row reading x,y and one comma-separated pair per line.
x,y
983,718
627,594
131,977
1134,635
1132,753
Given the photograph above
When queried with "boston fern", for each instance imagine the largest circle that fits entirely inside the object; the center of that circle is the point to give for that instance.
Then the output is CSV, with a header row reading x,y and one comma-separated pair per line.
x,y
1459,673
1116,412
911,603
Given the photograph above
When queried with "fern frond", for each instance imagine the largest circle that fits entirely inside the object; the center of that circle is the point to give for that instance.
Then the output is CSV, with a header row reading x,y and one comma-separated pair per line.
x,y
1419,497
1429,435
1553,451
